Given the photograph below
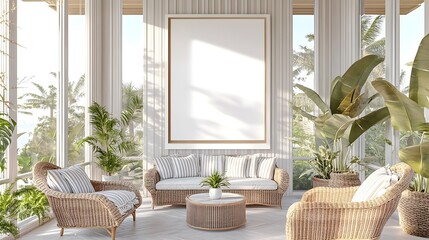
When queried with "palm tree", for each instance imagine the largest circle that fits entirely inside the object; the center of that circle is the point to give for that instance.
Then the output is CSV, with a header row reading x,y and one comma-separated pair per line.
x,y
44,99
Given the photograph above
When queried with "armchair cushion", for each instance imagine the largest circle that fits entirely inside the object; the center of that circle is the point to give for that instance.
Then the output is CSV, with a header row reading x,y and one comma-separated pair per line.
x,y
69,180
57,182
376,184
124,200
77,179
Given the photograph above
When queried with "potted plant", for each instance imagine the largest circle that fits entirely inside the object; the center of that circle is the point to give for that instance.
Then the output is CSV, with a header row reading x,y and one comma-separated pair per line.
x,y
339,124
407,116
320,166
109,141
215,182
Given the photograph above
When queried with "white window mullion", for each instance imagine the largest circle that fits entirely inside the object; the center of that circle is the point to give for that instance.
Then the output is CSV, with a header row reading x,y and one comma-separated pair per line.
x,y
426,17
93,84
62,95
392,71
12,166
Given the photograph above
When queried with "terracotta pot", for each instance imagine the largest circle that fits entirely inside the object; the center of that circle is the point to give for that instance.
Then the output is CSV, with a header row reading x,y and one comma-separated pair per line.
x,y
347,179
319,182
413,211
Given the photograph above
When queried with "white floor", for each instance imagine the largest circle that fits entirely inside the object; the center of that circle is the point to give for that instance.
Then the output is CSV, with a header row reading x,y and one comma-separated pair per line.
x,y
169,223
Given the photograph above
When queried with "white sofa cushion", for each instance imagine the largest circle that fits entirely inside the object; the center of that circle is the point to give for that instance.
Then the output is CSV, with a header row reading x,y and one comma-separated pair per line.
x,y
236,167
266,167
124,200
376,184
210,164
188,166
193,183
252,166
164,167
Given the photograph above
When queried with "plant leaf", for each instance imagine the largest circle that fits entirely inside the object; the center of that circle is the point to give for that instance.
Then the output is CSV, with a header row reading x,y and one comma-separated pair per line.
x,y
364,123
406,115
304,113
314,97
354,78
419,80
357,107
417,156
332,126
348,100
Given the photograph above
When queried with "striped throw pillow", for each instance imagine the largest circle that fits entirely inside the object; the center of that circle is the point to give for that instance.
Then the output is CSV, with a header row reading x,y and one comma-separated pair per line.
x,y
210,164
236,167
78,180
252,168
266,167
164,167
57,182
188,166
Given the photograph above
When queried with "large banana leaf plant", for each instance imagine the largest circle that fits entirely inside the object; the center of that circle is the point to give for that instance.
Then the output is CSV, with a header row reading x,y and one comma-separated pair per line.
x,y
339,124
407,114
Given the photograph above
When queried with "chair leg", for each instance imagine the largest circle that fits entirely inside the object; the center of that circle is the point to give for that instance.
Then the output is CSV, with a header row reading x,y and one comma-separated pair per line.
x,y
113,233
134,215
61,232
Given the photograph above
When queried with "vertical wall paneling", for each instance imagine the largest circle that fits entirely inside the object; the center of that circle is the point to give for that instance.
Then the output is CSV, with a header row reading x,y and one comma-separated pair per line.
x,y
156,59
392,70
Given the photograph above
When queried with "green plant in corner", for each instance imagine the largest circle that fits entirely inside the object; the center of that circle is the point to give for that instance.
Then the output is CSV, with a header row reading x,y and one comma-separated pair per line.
x,y
109,141
321,164
339,124
216,180
13,203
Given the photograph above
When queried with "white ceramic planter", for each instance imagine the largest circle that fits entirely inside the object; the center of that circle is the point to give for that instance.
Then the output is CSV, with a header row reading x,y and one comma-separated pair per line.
x,y
107,178
215,193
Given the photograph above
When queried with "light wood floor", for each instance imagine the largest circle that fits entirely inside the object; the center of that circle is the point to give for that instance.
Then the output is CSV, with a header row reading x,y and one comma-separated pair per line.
x,y
169,223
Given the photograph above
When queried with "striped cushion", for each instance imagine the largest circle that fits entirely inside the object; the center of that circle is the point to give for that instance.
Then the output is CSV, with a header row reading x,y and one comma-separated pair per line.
x,y
252,168
78,180
57,182
163,165
236,166
266,167
210,164
124,200
188,166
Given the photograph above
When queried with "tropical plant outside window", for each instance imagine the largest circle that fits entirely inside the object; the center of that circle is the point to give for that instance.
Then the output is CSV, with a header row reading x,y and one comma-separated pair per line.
x,y
303,73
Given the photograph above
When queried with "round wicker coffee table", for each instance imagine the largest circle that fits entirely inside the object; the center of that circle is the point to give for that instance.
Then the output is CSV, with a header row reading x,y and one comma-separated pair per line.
x,y
226,213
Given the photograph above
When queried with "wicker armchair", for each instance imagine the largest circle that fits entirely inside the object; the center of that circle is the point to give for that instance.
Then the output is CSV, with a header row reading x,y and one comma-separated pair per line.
x,y
328,213
83,210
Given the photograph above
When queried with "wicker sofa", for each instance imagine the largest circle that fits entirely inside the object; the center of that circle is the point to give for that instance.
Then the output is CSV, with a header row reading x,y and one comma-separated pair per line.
x,y
272,197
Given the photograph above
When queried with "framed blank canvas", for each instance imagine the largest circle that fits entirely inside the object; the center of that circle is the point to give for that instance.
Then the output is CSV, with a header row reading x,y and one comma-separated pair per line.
x,y
218,82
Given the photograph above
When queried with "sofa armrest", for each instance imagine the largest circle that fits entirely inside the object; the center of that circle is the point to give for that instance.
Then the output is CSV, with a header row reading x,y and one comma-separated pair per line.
x,y
150,179
327,194
281,177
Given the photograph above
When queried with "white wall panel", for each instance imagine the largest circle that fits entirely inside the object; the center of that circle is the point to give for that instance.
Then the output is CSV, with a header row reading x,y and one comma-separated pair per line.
x,y
281,70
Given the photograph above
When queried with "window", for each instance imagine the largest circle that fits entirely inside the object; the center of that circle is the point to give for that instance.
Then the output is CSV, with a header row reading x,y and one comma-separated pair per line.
x,y
373,42
132,89
37,63
303,73
76,81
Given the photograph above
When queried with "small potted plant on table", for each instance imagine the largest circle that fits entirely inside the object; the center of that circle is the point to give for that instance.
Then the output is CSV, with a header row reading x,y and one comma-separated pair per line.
x,y
215,182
